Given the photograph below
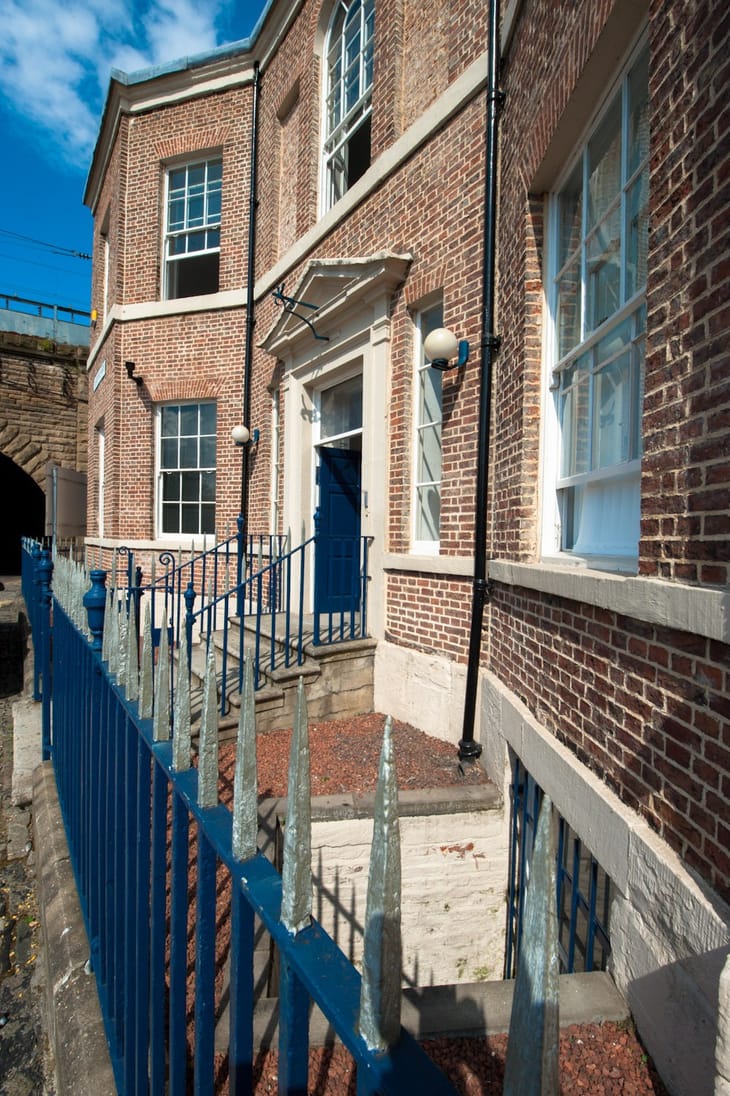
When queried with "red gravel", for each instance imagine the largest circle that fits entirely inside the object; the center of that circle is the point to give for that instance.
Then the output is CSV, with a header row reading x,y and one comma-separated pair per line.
x,y
596,1059
344,755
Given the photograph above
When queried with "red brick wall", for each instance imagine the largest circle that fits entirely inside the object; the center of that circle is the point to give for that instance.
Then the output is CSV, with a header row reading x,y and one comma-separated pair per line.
x,y
686,467
645,707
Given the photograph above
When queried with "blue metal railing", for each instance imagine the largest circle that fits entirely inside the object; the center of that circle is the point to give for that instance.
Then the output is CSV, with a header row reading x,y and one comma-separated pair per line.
x,y
141,844
583,887
267,610
246,602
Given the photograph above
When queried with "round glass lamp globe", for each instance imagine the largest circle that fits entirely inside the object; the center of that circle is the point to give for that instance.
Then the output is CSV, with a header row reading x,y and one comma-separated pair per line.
x,y
440,345
241,435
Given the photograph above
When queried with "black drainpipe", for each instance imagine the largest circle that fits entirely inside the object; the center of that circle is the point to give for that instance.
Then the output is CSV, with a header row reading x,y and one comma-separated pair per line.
x,y
250,321
469,750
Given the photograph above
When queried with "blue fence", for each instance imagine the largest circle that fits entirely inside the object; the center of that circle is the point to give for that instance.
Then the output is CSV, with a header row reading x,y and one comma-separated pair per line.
x,y
247,598
157,858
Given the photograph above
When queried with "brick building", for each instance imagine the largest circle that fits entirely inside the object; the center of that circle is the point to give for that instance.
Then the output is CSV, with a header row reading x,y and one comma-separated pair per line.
x,y
361,129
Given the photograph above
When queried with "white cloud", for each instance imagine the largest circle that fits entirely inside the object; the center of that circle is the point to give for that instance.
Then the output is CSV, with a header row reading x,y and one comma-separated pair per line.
x,y
55,58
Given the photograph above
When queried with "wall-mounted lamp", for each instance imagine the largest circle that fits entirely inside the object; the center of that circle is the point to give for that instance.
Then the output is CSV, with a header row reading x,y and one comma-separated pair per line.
x,y
130,367
242,435
440,346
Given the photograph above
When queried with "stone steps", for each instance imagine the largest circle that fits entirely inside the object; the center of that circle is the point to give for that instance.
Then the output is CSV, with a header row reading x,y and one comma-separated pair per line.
x,y
338,679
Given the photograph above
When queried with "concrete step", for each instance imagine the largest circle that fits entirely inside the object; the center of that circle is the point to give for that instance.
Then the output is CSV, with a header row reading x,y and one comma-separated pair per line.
x,y
338,678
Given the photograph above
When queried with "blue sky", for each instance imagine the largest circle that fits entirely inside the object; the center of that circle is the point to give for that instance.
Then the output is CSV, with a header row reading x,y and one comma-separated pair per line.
x,y
56,57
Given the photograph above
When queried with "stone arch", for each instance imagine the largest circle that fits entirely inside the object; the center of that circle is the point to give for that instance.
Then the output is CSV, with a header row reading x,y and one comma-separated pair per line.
x,y
20,449
24,512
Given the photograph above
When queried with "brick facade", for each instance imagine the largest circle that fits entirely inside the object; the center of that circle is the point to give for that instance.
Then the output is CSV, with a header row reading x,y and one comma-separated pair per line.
x,y
635,690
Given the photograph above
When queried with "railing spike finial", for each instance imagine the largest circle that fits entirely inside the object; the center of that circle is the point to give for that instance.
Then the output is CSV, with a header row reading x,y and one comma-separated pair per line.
x,y
531,1065
121,658
380,995
181,733
132,653
208,747
146,692
108,625
161,717
114,634
296,876
245,781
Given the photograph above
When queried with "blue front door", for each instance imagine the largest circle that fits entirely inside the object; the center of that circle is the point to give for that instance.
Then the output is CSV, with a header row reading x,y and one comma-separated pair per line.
x,y
337,556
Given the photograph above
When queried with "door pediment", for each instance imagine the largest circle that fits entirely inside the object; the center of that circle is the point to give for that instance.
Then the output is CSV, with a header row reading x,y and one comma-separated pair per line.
x,y
327,291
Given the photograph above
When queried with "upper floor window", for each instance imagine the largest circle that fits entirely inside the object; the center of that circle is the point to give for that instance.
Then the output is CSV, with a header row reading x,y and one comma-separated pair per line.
x,y
427,441
348,105
192,229
599,238
186,495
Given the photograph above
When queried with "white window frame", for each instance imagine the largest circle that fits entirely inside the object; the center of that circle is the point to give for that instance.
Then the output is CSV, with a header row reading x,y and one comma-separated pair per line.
x,y
425,374
591,504
198,469
101,474
192,227
345,113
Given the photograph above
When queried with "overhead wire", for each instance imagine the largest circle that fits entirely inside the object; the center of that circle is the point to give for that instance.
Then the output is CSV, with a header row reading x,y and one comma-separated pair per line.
x,y
55,249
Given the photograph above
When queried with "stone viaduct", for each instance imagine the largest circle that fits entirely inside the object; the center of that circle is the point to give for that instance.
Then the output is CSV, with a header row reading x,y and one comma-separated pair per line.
x,y
43,408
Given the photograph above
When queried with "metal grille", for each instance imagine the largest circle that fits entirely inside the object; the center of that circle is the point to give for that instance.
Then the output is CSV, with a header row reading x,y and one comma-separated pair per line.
x,y
583,887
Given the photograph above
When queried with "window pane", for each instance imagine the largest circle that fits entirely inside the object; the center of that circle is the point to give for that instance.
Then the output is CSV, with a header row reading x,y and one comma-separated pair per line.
x,y
341,408
637,234
604,164
428,502
207,519
176,214
190,486
208,418
207,486
189,519
169,421
188,452
429,455
171,487
168,456
431,389
570,215
214,206
196,241
189,419
638,113
575,418
196,175
612,422
170,518
568,321
604,271
207,452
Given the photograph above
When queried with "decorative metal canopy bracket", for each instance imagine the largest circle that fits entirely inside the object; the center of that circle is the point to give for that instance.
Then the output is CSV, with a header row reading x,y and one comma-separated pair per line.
x,y
289,304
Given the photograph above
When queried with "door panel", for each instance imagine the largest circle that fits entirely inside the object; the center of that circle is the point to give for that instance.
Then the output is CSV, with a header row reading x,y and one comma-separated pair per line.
x,y
337,557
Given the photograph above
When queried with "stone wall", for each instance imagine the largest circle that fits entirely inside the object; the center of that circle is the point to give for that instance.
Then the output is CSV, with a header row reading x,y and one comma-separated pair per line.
x,y
42,404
